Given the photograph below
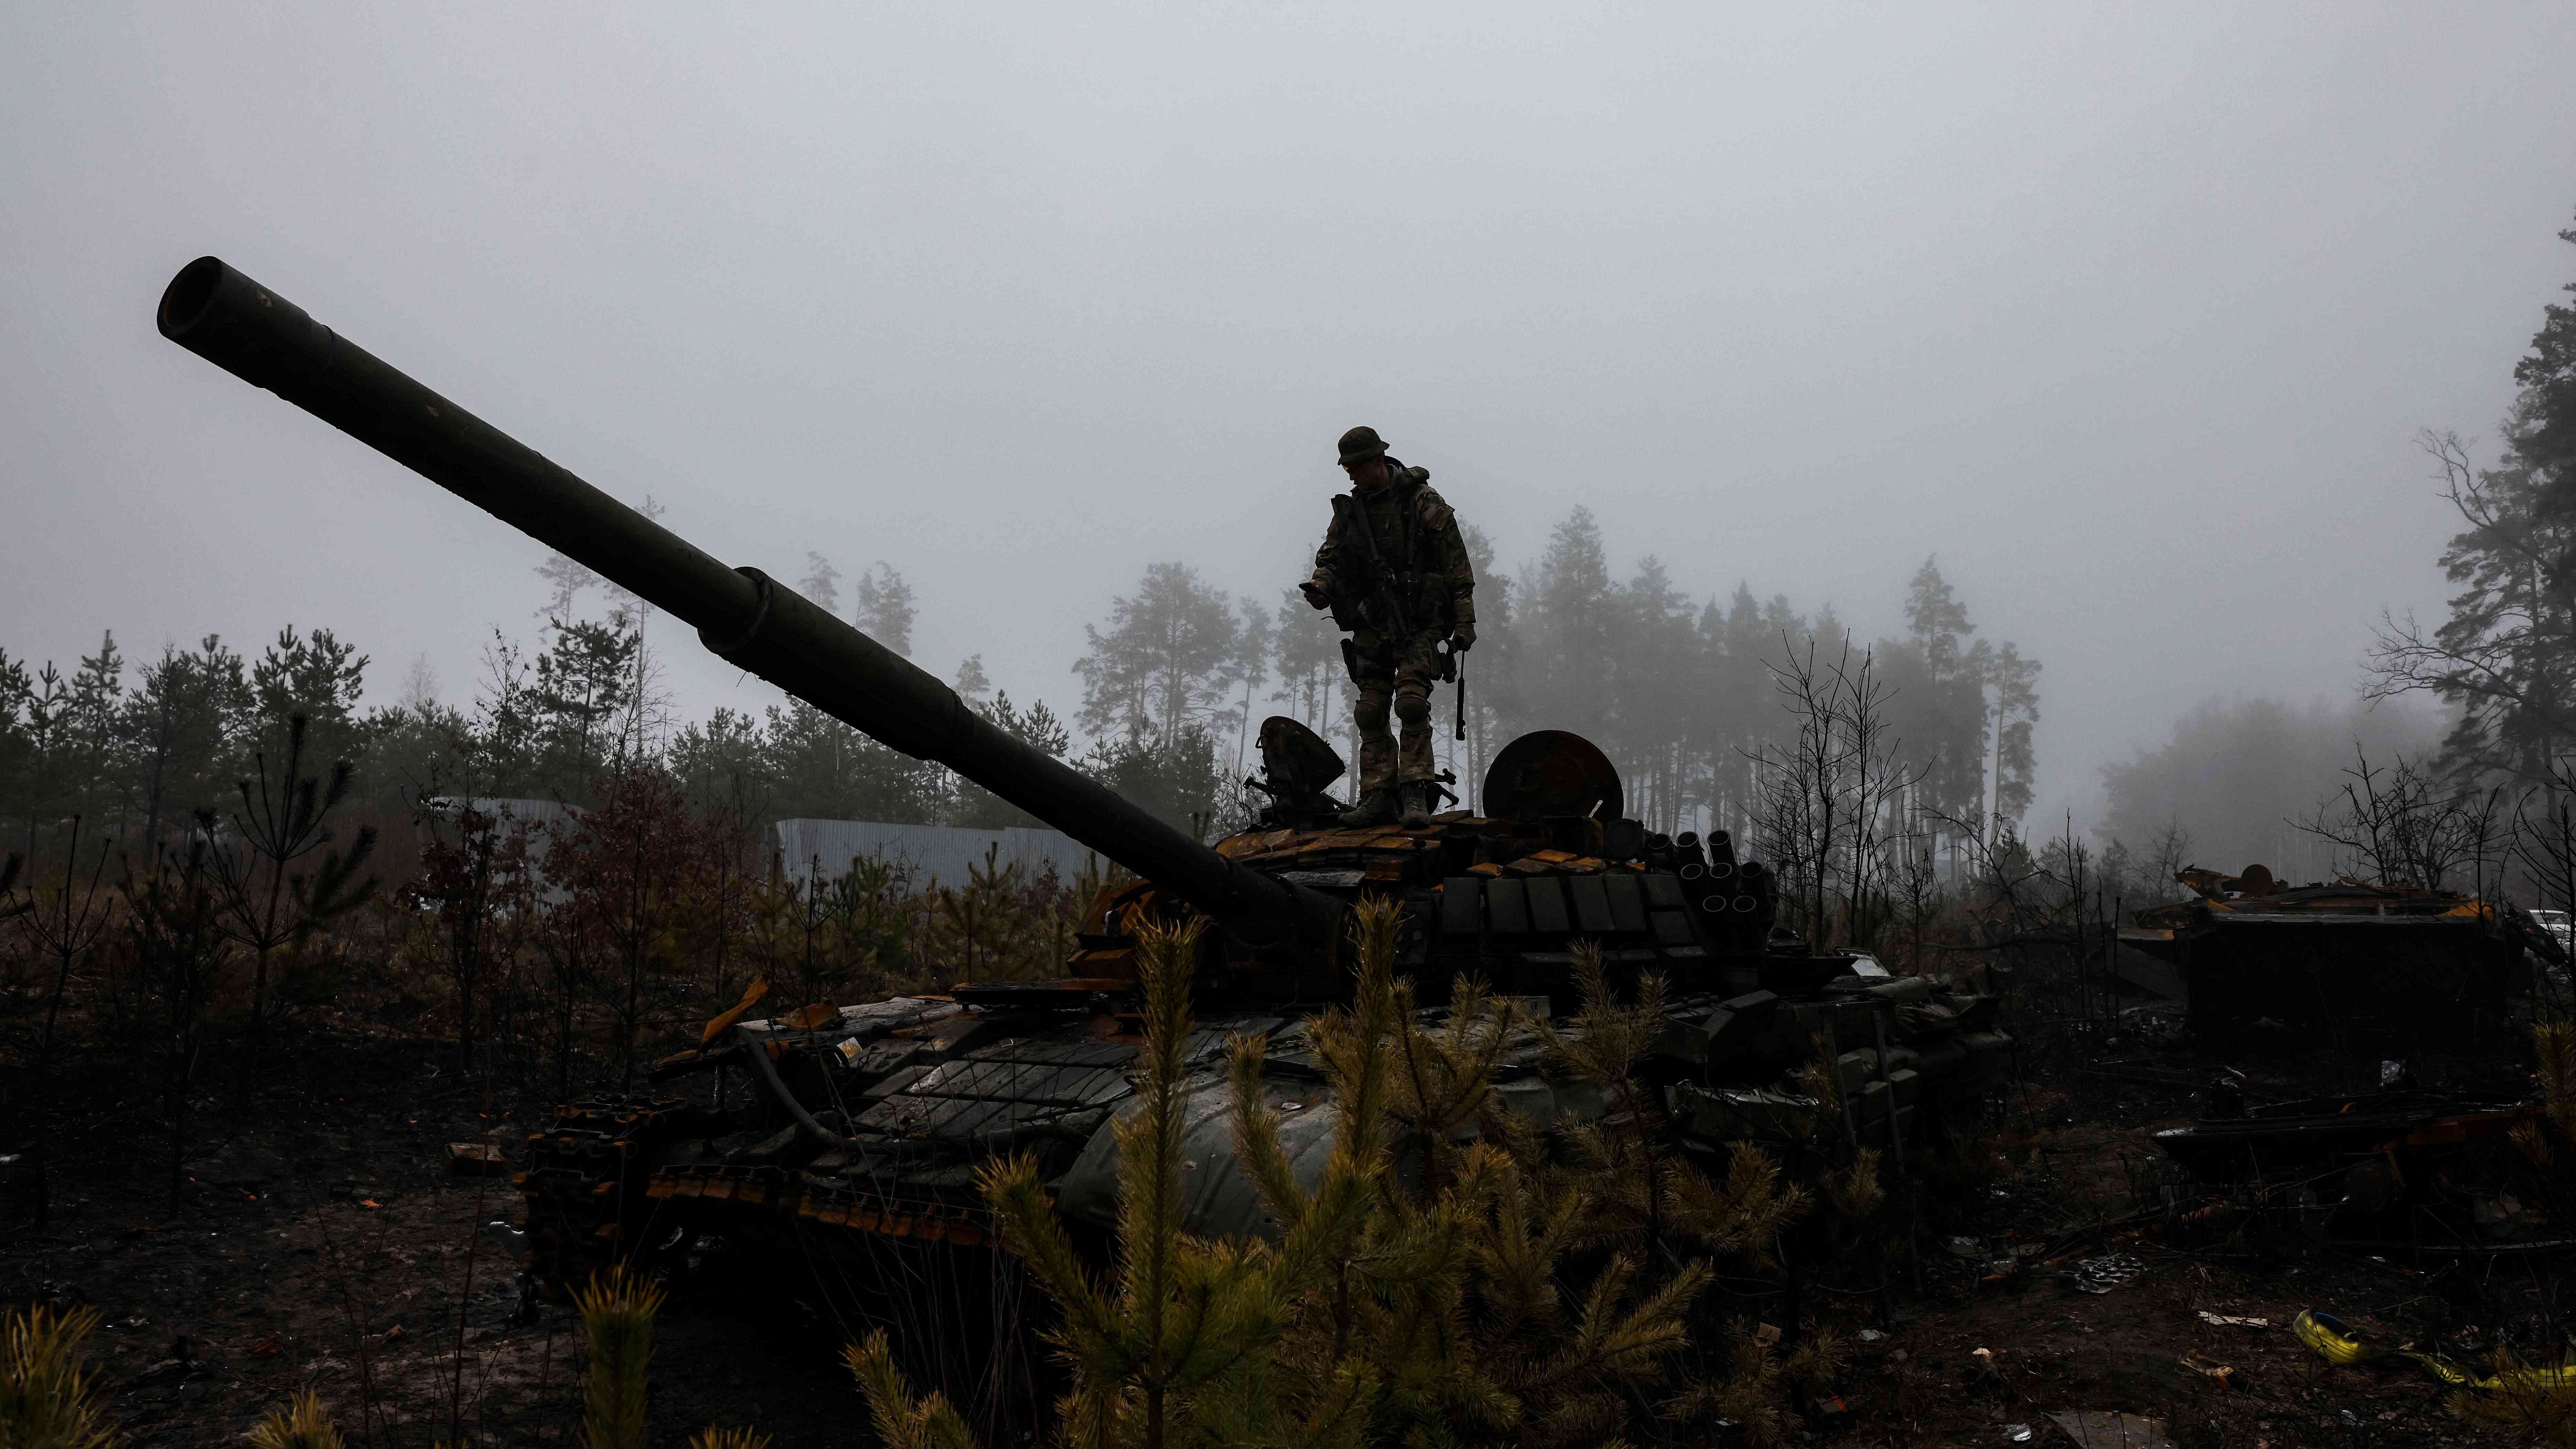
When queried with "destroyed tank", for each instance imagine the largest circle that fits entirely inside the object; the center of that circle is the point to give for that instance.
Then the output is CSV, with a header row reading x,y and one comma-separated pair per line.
x,y
866,1125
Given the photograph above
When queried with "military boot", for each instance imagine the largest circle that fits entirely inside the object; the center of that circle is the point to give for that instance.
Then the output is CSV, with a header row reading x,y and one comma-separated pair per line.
x,y
1377,807
1417,799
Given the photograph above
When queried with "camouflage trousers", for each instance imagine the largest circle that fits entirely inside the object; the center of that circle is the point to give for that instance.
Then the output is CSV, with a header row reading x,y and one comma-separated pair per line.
x,y
1383,676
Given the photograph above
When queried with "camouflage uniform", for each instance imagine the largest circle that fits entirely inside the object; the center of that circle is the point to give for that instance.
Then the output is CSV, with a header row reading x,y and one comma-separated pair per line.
x,y
1416,533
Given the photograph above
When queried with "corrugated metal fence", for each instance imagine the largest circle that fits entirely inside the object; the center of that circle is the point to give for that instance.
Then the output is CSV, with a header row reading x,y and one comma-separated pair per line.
x,y
922,854
925,853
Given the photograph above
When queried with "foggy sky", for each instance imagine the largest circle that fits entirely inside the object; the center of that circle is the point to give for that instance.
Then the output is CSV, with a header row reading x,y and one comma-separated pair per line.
x,y
2130,318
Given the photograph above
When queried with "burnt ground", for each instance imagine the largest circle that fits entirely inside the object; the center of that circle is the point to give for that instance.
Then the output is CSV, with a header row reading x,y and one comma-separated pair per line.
x,y
2055,1348
323,1246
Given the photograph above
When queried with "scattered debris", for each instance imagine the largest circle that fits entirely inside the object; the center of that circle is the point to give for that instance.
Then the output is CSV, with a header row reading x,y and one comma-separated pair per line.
x,y
2094,1429
476,1159
395,1334
2207,1367
2334,1342
368,1202
267,1347
2323,1130
2101,1275
1871,1335
2018,1434
1766,1334
2223,1321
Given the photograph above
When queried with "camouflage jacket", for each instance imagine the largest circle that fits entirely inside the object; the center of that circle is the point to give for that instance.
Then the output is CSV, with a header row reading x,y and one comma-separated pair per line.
x,y
1416,533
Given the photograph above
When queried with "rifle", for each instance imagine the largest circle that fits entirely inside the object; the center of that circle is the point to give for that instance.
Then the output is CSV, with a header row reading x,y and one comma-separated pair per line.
x,y
1379,588
1458,663
1384,586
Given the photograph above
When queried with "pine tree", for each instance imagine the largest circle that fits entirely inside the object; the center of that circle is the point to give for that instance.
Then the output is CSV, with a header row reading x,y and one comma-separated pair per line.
x,y
725,764
822,583
1178,782
1165,662
1939,677
2015,683
1379,1275
1660,680
300,1423
1643,1192
1038,728
884,609
187,711
1309,653
49,1397
85,760
1173,1348
1251,668
1565,628
821,768
2547,376
2502,658
585,680
565,580
314,675
272,899
17,737
617,1318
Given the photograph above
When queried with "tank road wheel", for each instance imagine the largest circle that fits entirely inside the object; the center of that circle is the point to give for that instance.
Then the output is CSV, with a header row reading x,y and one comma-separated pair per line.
x,y
584,1187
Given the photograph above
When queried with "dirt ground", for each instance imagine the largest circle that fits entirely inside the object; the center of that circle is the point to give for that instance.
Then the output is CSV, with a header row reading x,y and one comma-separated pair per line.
x,y
323,1246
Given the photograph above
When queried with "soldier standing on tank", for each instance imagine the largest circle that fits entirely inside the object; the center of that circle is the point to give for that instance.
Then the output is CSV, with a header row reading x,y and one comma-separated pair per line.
x,y
1394,571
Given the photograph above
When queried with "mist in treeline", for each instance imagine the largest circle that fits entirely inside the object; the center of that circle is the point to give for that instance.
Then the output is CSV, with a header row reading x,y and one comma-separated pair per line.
x,y
1679,689
2240,778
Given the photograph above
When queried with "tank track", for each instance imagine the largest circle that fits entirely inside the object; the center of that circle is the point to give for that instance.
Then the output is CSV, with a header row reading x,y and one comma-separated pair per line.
x,y
584,1187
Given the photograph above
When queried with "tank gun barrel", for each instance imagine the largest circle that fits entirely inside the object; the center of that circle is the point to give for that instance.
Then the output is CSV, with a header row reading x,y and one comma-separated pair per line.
x,y
739,613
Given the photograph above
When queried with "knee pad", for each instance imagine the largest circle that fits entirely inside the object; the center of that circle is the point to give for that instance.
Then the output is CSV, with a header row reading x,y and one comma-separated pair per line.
x,y
1413,709
1370,712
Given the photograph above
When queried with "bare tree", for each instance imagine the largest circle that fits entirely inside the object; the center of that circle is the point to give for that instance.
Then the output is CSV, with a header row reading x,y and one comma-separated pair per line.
x,y
481,888
1831,800
2402,825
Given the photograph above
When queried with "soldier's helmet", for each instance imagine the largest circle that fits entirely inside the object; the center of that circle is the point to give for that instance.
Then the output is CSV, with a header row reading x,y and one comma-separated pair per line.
x,y
1361,443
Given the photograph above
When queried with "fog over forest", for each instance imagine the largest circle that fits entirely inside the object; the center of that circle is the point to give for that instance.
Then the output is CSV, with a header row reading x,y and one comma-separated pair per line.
x,y
2073,363
1907,484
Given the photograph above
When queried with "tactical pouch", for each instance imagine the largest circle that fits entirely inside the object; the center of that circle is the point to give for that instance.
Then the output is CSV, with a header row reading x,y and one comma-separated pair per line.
x,y
1351,659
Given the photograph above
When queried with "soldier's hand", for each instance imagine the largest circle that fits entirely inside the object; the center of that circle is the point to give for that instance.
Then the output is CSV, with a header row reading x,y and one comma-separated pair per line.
x,y
1315,595
1463,640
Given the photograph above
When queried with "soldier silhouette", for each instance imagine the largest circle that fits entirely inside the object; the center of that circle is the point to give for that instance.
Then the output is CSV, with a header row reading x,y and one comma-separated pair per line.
x,y
1394,571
